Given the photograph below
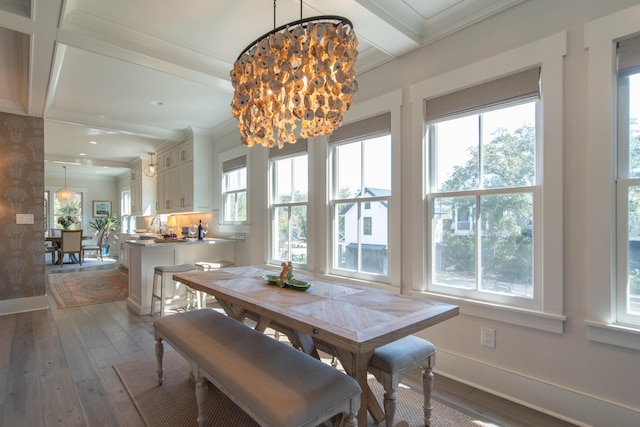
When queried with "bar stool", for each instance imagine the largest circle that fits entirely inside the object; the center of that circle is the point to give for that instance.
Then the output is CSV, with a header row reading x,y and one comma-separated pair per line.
x,y
392,361
201,297
165,272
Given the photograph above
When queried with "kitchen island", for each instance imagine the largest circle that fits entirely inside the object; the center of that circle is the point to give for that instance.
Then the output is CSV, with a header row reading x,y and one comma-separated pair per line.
x,y
145,255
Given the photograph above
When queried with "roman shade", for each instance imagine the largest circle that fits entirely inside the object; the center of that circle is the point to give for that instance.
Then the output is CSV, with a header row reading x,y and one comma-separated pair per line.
x,y
516,87
629,56
233,164
370,128
288,150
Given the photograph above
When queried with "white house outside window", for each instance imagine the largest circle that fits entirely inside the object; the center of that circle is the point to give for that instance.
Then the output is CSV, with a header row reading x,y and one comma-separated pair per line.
x,y
234,190
483,194
361,182
289,203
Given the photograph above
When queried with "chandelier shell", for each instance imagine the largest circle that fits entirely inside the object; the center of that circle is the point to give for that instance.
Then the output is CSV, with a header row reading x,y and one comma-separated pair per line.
x,y
296,81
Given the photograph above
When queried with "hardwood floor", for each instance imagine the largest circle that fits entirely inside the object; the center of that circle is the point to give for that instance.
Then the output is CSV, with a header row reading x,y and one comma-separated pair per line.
x,y
56,369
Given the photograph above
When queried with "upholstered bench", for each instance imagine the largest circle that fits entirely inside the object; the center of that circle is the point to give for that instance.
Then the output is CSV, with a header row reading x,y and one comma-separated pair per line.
x,y
272,382
392,361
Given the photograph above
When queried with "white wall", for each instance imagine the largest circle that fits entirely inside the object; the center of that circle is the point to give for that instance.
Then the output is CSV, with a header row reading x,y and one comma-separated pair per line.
x,y
564,374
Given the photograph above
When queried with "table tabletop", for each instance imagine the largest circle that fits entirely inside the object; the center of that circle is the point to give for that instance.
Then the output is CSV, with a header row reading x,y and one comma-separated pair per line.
x,y
350,320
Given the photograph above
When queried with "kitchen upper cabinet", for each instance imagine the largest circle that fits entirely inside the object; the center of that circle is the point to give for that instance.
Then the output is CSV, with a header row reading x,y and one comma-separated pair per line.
x,y
185,184
143,189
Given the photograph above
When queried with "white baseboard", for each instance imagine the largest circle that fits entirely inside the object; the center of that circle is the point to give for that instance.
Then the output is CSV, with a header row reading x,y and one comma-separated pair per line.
x,y
553,399
23,305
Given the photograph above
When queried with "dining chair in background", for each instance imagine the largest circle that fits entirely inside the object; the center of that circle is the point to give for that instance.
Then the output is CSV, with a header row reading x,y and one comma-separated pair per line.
x,y
97,247
70,243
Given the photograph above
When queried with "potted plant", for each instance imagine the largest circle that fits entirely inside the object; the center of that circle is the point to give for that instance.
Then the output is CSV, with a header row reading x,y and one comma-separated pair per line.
x,y
107,224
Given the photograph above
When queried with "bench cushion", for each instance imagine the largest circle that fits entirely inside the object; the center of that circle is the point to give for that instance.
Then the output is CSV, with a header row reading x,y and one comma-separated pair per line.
x,y
280,384
401,354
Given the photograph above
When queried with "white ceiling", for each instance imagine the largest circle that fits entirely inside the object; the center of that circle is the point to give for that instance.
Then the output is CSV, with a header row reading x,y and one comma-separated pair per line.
x,y
96,70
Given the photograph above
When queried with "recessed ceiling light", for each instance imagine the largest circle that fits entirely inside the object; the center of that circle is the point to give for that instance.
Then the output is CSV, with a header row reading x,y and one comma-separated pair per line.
x,y
81,154
93,142
157,103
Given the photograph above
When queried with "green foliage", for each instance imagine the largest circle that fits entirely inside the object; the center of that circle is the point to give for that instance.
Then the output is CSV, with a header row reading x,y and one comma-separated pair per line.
x,y
108,224
68,215
507,161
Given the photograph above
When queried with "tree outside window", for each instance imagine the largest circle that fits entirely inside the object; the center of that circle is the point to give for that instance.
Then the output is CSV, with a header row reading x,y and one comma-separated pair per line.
x,y
68,215
289,209
482,232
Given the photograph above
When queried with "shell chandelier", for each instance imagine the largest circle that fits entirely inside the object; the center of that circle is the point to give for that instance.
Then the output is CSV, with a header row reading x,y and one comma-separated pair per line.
x,y
295,81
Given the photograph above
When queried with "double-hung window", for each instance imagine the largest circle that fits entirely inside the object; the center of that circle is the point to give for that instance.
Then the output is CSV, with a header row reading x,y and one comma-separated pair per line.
x,y
483,195
289,203
234,190
360,197
614,179
627,287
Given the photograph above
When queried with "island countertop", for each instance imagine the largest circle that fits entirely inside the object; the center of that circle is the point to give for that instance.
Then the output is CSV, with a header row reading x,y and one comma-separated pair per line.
x,y
161,242
146,254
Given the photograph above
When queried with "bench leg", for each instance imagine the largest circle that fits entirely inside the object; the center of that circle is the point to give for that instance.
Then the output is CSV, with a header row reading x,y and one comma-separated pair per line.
x,y
159,355
201,396
350,420
389,406
427,388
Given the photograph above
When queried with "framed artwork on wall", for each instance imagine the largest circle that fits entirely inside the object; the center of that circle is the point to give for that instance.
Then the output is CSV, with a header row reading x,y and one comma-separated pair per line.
x,y
101,208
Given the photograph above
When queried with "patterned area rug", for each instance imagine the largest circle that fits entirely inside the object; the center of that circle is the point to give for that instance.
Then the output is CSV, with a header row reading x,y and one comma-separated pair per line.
x,y
174,403
88,287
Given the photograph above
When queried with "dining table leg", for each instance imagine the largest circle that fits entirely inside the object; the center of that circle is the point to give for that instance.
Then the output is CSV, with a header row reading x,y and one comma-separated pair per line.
x,y
357,365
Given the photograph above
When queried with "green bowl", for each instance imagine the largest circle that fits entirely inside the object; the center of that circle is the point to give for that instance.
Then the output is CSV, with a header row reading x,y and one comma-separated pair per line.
x,y
297,284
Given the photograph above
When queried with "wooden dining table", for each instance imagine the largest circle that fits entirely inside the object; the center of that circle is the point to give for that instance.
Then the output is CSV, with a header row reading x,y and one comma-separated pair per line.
x,y
346,320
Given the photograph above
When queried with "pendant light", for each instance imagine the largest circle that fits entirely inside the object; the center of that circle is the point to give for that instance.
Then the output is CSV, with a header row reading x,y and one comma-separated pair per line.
x,y
65,194
151,169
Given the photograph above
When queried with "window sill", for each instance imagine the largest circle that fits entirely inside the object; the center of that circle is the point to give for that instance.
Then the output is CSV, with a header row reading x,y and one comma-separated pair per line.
x,y
621,336
516,316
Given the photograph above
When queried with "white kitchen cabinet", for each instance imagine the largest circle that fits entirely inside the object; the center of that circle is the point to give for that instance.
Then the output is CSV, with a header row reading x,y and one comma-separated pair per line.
x,y
143,189
123,257
185,185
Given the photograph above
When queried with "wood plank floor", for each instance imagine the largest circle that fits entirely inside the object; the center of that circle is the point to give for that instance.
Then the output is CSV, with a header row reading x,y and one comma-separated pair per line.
x,y
56,370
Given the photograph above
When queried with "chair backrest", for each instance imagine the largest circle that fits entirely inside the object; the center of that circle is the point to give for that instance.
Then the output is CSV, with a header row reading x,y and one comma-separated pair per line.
x,y
71,241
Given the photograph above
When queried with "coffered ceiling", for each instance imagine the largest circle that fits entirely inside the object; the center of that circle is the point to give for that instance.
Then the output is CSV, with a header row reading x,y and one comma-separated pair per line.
x,y
129,75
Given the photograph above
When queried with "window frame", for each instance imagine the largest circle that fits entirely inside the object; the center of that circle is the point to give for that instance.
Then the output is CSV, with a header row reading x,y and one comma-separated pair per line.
x,y
224,157
320,188
358,203
480,192
548,54
601,37
274,205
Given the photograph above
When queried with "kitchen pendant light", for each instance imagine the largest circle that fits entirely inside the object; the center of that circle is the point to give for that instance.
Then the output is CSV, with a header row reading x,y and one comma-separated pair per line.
x,y
152,168
65,194
296,81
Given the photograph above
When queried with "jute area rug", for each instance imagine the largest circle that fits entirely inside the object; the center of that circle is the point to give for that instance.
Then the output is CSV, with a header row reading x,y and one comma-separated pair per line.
x,y
88,287
173,404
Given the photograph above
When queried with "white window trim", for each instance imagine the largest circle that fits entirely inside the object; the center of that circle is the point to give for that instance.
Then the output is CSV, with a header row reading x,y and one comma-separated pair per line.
x,y
601,216
547,53
272,206
390,102
223,157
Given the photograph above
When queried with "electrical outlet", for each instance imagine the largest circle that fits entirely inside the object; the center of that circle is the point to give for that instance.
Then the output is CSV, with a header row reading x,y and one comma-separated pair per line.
x,y
488,337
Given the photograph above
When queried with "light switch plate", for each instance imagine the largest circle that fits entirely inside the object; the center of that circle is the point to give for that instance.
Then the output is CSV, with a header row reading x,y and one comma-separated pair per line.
x,y
24,218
